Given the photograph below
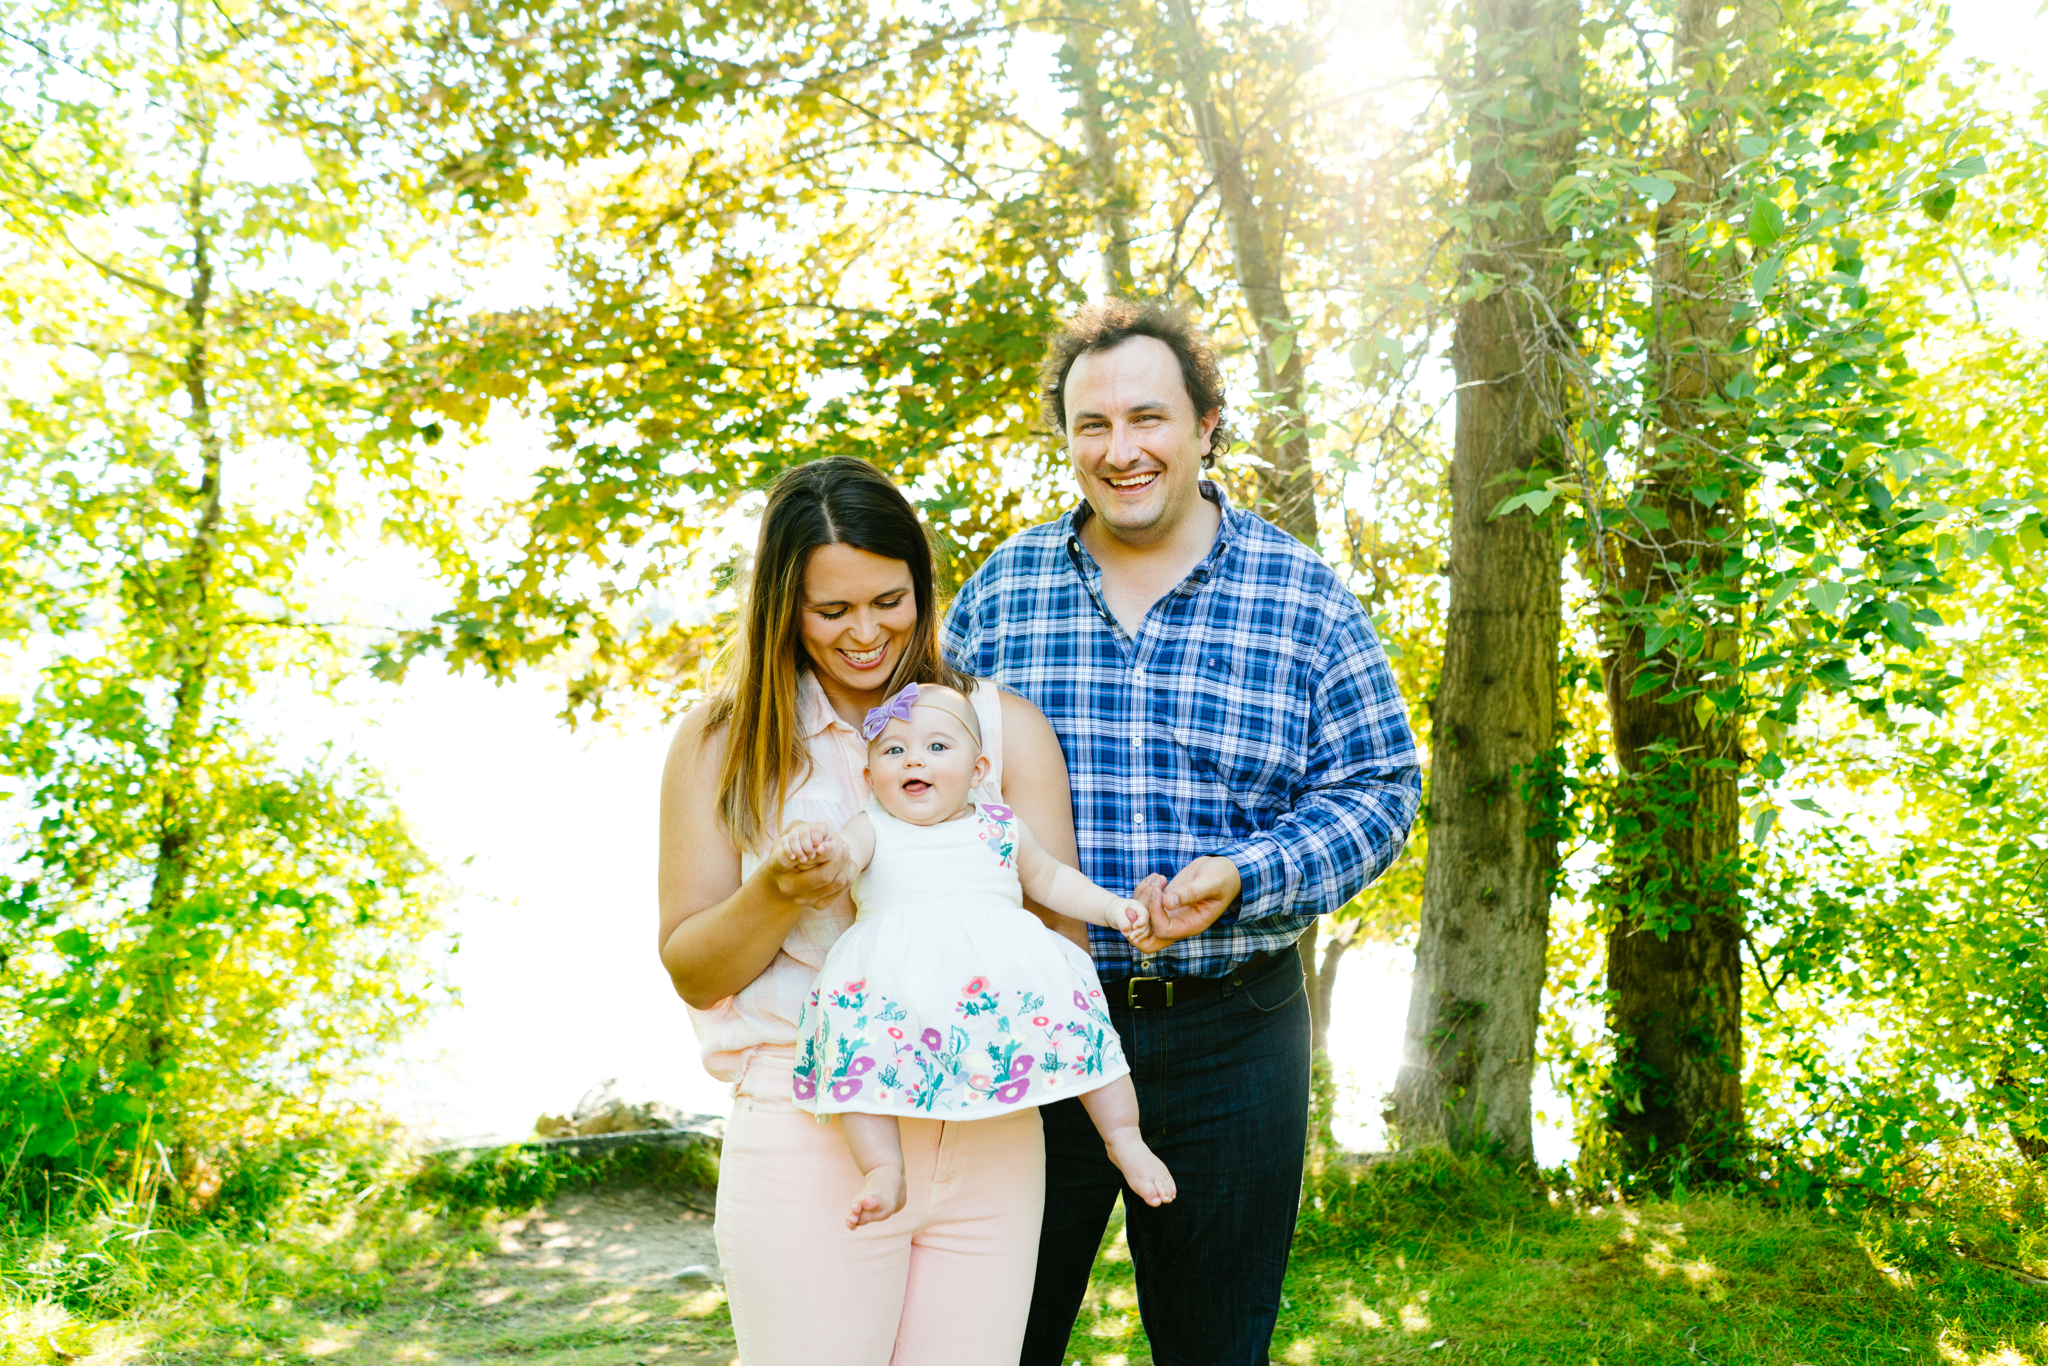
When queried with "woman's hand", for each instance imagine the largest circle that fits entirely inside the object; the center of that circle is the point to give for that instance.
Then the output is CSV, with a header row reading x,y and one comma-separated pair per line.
x,y
810,864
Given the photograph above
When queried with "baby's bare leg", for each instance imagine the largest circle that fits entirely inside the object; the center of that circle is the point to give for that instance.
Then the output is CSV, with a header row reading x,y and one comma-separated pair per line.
x,y
877,1149
1114,1108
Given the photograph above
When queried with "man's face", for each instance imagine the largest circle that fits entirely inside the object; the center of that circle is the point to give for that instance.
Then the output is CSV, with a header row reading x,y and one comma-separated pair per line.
x,y
1136,440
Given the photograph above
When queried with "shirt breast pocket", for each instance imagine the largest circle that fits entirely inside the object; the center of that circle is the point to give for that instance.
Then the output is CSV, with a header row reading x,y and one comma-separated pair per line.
x,y
1242,780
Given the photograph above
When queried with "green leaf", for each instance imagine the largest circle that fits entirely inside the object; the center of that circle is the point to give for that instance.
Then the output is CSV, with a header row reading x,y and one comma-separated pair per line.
x,y
1962,170
1281,348
1808,804
1764,278
1766,221
1537,501
1826,595
1765,819
1654,188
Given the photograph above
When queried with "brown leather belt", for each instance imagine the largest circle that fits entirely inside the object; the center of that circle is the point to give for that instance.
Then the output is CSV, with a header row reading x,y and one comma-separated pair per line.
x,y
1164,993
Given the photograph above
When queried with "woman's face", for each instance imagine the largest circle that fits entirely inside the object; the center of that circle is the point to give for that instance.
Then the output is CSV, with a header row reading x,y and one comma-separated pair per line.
x,y
856,617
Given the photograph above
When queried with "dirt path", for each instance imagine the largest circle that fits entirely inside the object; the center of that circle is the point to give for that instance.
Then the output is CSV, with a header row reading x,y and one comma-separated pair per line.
x,y
606,1278
630,1237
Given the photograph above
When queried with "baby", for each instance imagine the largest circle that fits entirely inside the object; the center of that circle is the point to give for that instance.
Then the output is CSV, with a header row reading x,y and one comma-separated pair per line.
x,y
947,999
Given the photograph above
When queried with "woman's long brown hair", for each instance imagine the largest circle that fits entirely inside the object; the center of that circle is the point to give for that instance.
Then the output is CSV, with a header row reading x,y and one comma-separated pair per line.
x,y
835,501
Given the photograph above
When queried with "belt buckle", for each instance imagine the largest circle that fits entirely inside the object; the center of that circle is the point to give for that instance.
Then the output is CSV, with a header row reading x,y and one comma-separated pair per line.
x,y
1131,993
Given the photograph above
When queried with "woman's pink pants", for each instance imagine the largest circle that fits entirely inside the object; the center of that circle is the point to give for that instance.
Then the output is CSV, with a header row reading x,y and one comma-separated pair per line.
x,y
946,1279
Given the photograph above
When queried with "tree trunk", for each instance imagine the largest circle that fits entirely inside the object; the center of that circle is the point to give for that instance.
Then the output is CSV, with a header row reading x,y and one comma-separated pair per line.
x,y
1319,960
1674,954
1286,480
1112,197
185,598
1469,1052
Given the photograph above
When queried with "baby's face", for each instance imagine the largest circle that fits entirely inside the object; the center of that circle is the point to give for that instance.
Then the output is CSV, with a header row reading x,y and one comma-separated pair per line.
x,y
922,769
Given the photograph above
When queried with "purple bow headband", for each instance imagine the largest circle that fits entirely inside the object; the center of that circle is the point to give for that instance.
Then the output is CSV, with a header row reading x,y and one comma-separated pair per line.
x,y
896,708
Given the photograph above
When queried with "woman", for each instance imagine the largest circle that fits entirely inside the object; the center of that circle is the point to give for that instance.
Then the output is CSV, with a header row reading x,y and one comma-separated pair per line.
x,y
839,616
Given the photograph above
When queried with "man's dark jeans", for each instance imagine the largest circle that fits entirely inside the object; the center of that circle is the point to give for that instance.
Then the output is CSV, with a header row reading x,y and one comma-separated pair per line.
x,y
1223,1084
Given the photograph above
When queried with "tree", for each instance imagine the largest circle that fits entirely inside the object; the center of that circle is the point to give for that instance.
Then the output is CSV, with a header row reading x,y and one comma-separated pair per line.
x,y
1675,979
203,923
1757,504
1469,1052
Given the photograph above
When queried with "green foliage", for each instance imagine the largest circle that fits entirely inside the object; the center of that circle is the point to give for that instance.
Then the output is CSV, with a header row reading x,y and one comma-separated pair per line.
x,y
205,924
1431,1256
518,1178
1409,1200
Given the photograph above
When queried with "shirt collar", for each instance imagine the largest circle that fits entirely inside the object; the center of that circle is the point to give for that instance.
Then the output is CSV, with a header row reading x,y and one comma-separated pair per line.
x,y
1225,533
814,713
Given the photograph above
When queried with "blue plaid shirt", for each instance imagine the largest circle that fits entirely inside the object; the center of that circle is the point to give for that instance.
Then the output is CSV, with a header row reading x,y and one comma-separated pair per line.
x,y
1254,717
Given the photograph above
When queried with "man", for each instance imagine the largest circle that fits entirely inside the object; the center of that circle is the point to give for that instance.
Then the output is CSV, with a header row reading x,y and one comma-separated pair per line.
x,y
1239,756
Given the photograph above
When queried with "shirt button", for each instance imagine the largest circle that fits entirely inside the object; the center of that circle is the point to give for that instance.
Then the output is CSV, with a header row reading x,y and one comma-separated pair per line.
x,y
1137,820
1136,742
1138,675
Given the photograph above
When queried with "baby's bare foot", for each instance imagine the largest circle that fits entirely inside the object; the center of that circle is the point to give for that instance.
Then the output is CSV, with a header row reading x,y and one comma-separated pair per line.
x,y
881,1195
1143,1171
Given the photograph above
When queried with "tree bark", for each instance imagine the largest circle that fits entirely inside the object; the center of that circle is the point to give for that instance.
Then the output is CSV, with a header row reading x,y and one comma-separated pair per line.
x,y
1112,196
1469,1052
1674,954
1286,479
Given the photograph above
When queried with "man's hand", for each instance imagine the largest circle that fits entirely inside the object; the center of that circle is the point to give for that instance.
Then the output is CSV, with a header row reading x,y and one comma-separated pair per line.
x,y
1198,895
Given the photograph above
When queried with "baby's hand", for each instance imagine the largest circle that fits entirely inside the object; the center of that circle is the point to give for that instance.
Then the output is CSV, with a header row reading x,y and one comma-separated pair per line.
x,y
1128,918
806,844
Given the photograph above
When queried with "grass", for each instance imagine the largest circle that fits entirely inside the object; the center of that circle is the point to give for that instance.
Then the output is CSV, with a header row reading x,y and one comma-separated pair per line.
x,y
1443,1259
1424,1258
354,1257
449,1313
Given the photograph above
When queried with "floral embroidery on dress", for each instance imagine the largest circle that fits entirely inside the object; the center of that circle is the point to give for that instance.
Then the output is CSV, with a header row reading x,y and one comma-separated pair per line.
x,y
997,832
1006,1043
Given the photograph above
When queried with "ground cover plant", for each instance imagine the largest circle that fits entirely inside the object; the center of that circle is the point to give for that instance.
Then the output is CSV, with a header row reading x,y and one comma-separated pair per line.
x,y
1437,1257
376,1258
353,1251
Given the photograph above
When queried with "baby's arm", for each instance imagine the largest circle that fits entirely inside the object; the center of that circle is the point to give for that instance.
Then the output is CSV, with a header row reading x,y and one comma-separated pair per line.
x,y
1066,890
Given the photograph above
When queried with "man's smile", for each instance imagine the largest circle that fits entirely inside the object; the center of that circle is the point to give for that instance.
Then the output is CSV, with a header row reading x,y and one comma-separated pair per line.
x,y
1132,481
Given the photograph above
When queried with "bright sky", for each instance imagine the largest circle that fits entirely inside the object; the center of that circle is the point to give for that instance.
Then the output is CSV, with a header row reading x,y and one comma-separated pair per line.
x,y
560,985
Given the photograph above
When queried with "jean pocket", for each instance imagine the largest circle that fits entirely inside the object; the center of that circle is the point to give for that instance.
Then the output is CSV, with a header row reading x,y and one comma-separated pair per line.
x,y
1277,988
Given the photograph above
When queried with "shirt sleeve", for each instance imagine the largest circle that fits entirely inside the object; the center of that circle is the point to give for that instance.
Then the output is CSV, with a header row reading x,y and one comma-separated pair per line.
x,y
1363,785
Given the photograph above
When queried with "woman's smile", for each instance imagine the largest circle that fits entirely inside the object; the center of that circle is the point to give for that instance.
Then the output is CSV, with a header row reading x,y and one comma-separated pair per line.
x,y
866,659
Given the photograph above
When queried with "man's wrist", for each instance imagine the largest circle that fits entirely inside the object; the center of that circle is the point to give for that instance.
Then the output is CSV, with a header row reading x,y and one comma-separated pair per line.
x,y
1261,869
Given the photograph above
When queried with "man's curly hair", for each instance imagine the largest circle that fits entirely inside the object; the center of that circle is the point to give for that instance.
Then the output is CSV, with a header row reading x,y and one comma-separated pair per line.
x,y
1111,322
